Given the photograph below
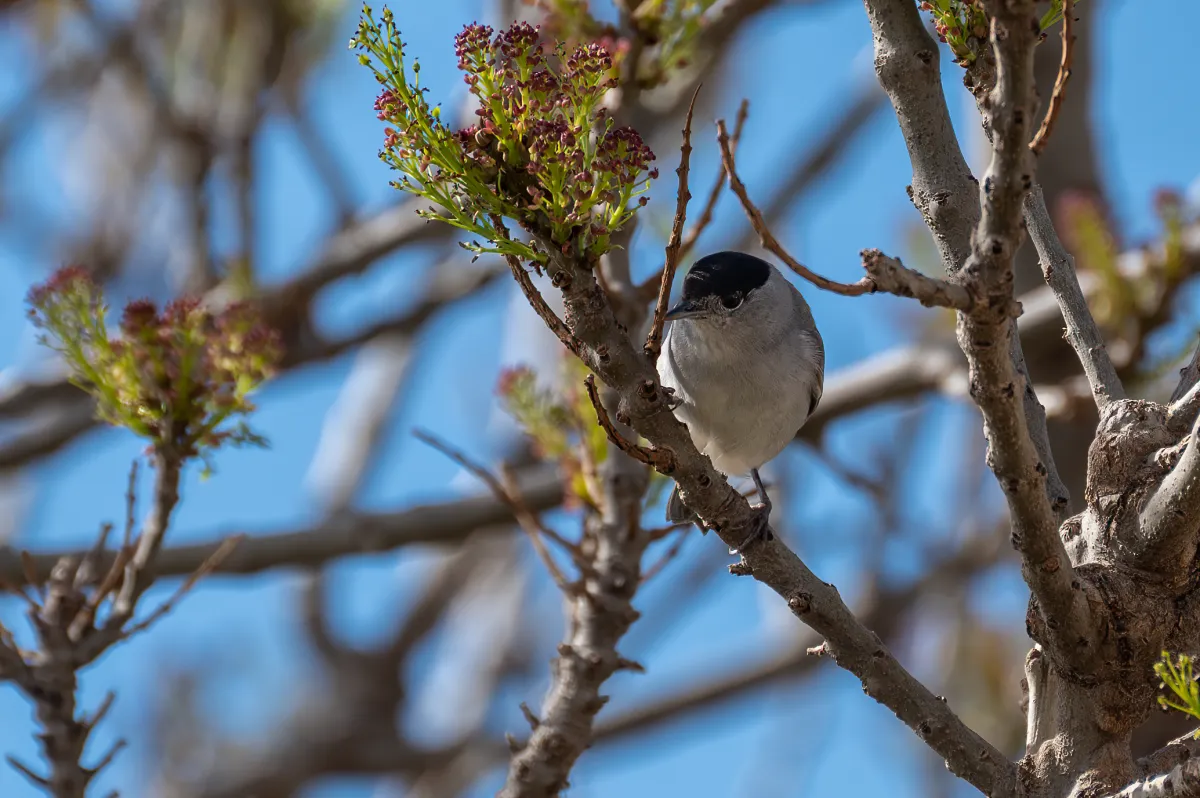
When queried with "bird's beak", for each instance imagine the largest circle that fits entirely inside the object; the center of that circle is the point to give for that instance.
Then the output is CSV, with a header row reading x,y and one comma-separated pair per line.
x,y
685,310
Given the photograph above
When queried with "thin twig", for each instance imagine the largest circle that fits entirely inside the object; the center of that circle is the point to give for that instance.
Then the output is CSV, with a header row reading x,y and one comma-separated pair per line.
x,y
1189,377
658,533
1042,137
130,504
649,289
506,493
227,546
24,770
670,554
702,222
536,300
659,459
1058,268
653,343
94,720
884,274
107,759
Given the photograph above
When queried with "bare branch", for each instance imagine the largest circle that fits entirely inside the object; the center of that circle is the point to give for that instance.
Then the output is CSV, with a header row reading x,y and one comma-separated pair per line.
x,y
1183,781
650,289
653,343
883,273
140,573
1170,521
987,337
648,455
907,63
831,145
1059,269
206,568
535,298
698,227
1042,136
344,534
532,525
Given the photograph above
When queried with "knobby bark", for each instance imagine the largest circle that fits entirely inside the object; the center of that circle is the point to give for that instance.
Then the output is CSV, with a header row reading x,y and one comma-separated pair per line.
x,y
1101,616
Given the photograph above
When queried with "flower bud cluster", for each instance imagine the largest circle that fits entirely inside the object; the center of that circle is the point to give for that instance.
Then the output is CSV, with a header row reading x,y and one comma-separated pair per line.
x,y
962,25
543,150
175,375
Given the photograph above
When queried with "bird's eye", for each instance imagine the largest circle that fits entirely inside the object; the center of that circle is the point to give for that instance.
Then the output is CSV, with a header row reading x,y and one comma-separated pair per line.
x,y
732,300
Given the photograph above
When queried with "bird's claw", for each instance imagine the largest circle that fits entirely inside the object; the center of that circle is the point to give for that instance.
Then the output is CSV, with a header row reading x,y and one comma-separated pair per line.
x,y
760,528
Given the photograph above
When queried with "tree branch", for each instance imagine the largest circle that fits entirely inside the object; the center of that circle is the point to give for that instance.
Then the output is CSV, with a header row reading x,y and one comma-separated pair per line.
x,y
883,273
608,352
653,343
1042,137
1170,521
1176,752
1058,267
986,337
345,534
1183,781
943,189
649,290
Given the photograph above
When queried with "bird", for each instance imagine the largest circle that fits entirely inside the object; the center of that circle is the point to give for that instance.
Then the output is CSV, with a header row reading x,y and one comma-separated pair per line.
x,y
745,367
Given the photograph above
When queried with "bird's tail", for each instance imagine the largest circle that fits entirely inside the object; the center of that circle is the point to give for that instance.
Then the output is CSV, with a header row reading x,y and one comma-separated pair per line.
x,y
677,513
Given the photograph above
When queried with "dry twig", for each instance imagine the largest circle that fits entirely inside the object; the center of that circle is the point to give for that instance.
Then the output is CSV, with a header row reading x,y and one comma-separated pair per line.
x,y
506,492
1042,137
649,289
883,273
653,343
659,459
536,300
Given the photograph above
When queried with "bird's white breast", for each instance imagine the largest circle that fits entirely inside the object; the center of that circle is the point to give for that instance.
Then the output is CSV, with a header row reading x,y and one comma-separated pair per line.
x,y
743,395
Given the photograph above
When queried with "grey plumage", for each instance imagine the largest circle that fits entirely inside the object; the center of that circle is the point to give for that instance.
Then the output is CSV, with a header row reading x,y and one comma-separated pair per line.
x,y
746,362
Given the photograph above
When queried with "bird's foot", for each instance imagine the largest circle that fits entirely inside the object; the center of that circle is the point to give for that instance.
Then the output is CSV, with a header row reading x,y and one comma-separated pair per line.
x,y
760,528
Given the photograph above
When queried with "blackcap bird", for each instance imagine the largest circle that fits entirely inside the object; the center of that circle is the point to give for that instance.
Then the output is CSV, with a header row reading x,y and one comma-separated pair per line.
x,y
747,366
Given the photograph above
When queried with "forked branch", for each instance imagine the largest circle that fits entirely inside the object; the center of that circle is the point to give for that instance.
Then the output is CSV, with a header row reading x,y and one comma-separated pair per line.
x,y
884,274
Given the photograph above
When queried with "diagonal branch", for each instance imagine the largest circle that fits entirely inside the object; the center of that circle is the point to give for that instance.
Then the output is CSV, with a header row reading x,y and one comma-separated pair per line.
x,y
883,273
609,353
1058,267
651,455
529,522
701,223
1170,521
1183,781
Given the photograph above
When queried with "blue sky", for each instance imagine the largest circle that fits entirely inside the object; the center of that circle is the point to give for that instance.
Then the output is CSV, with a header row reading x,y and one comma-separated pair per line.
x,y
1145,117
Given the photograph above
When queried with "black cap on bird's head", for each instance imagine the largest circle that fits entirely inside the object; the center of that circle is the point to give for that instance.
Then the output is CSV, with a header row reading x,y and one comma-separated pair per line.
x,y
722,278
